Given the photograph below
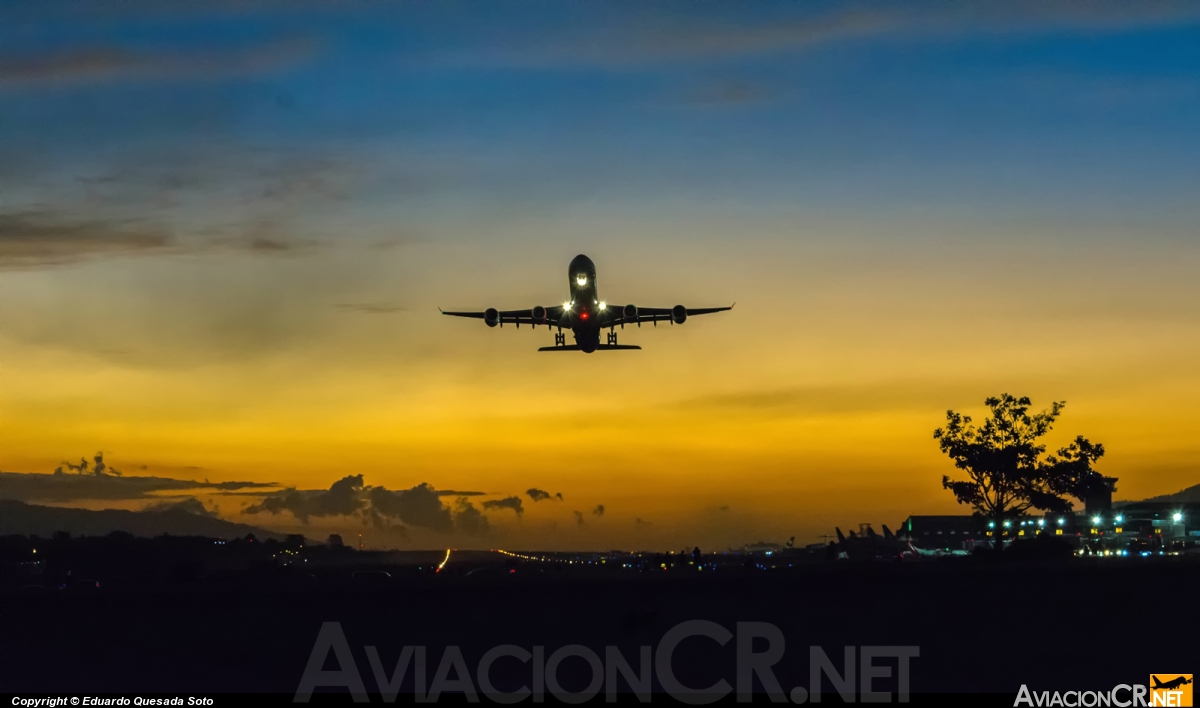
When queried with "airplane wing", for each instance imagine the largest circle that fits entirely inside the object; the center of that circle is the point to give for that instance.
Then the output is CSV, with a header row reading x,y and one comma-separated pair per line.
x,y
517,317
656,314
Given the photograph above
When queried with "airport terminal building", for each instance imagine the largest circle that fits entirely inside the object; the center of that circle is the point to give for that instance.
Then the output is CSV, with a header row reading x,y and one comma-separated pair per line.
x,y
1141,527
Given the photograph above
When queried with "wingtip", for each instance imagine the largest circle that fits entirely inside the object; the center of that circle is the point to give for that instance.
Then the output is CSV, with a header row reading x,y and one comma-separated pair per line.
x,y
733,305
441,311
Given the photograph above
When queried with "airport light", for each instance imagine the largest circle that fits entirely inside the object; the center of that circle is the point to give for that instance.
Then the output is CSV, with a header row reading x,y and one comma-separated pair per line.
x,y
991,524
1096,520
1120,518
1062,522
1177,517
1041,522
1007,524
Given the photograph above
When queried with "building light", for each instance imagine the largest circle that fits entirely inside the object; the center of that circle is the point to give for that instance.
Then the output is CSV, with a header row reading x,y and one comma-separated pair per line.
x,y
1061,522
1041,522
1177,517
1118,529
1057,532
1007,524
1120,518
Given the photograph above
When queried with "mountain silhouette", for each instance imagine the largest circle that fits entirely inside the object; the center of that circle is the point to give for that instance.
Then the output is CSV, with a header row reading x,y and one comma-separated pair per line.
x,y
31,520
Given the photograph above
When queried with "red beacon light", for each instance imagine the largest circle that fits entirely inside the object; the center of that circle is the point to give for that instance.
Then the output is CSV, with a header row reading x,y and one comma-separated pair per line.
x,y
583,315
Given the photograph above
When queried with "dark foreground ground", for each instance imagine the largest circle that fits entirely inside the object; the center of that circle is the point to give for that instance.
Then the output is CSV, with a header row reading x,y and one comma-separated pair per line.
x,y
980,626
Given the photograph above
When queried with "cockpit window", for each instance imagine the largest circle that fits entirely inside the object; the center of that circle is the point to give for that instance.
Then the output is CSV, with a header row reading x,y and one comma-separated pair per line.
x,y
581,280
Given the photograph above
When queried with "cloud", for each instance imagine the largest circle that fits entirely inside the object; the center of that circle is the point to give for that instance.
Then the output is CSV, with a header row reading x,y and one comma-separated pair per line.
x,y
191,505
369,308
72,487
468,519
538,495
513,503
103,63
599,510
420,506
33,239
658,33
40,239
578,517
344,498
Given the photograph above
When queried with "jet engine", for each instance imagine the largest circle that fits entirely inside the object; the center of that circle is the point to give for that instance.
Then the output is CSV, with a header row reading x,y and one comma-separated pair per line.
x,y
491,317
629,313
679,314
539,314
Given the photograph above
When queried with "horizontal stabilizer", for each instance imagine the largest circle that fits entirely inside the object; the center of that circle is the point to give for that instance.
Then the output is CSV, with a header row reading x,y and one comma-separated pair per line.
x,y
576,347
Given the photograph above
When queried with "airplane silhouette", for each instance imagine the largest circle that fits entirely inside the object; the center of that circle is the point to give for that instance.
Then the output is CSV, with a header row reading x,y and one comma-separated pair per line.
x,y
585,314
1173,683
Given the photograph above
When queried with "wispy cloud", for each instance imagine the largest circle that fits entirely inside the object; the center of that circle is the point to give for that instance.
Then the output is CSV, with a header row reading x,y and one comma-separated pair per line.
x,y
657,34
73,487
96,63
370,308
31,240
513,503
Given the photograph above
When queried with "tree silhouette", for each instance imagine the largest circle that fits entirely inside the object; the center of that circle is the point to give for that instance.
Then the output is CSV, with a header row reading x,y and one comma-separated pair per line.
x,y
1006,472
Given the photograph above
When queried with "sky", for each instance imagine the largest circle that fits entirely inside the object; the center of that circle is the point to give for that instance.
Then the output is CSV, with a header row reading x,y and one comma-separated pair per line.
x,y
226,230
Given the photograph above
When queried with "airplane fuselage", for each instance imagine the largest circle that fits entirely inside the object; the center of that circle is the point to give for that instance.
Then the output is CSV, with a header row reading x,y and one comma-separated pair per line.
x,y
584,314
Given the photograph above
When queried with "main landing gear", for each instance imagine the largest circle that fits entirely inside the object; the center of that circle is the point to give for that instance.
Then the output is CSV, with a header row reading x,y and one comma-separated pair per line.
x,y
560,339
612,337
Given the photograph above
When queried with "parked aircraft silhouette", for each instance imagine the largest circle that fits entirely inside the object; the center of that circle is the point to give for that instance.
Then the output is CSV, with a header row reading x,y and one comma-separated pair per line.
x,y
868,545
585,314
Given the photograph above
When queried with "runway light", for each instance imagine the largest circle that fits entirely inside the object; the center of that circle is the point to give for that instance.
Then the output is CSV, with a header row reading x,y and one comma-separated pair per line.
x,y
1177,517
